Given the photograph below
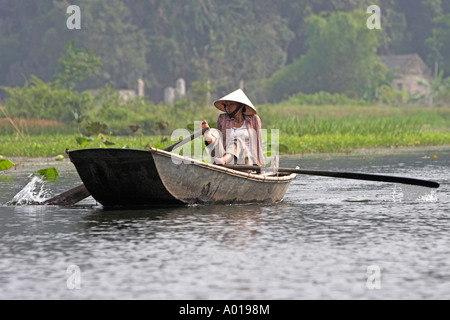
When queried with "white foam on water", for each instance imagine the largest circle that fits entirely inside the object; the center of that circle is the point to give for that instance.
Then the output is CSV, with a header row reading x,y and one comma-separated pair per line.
x,y
431,197
33,193
396,196
414,193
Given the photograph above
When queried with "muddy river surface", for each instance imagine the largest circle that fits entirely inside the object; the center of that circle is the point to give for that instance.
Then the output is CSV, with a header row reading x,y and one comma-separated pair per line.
x,y
329,239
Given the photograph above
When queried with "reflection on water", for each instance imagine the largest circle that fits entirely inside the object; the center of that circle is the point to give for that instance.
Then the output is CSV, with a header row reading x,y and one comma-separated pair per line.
x,y
318,243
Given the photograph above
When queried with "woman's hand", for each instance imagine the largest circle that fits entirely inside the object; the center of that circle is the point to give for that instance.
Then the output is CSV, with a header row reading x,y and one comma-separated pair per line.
x,y
208,137
223,160
218,160
204,125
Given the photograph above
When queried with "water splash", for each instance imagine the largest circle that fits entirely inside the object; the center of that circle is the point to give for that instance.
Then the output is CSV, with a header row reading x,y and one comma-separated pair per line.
x,y
430,197
421,194
397,194
33,193
413,193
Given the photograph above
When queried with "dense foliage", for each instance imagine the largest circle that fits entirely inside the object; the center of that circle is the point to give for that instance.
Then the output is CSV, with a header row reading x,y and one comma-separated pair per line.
x,y
40,100
223,41
341,58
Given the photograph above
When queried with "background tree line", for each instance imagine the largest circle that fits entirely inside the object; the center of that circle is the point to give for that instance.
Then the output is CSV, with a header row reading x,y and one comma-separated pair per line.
x,y
278,47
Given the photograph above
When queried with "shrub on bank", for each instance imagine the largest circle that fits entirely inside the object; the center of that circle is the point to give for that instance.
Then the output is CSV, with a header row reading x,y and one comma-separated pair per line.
x,y
40,100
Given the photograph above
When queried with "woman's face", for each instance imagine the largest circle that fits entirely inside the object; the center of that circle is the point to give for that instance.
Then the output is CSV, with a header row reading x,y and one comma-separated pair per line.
x,y
231,106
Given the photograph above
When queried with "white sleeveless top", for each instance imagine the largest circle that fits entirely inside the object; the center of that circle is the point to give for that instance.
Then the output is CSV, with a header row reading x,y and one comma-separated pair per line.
x,y
241,133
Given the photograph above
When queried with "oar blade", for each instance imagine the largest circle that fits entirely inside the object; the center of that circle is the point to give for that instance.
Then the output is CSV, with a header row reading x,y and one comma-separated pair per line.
x,y
69,197
368,177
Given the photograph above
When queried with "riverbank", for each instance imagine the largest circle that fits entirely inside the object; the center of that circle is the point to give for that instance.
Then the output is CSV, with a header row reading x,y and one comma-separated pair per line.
x,y
44,150
429,152
45,146
342,129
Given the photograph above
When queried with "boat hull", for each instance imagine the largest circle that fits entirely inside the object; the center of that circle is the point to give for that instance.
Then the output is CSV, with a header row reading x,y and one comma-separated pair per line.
x,y
127,177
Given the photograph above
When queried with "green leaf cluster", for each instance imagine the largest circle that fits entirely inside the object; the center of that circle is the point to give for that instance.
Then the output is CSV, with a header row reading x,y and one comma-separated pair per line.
x,y
76,65
5,164
41,100
342,58
49,174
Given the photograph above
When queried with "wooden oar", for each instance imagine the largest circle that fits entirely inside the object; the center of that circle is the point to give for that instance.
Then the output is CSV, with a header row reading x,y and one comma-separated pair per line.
x,y
69,197
344,175
79,193
185,140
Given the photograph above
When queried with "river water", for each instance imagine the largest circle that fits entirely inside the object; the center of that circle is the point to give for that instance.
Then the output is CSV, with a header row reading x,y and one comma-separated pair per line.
x,y
329,239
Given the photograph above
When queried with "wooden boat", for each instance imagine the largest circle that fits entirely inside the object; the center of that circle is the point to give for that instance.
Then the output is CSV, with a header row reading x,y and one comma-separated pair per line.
x,y
128,177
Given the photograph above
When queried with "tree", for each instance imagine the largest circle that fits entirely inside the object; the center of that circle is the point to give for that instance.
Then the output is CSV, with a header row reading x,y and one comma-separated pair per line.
x,y
251,45
342,58
30,39
209,39
76,65
224,41
396,38
108,30
439,43
419,16
434,89
45,100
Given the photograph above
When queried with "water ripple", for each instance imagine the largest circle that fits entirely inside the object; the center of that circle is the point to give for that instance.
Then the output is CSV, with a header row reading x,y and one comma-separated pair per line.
x,y
319,243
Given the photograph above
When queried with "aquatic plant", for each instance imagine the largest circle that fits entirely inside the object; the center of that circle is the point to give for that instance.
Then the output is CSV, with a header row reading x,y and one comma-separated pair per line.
x,y
5,164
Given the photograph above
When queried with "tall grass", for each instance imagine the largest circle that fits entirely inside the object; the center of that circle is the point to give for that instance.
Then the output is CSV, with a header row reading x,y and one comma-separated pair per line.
x,y
303,128
34,126
45,145
345,128
360,119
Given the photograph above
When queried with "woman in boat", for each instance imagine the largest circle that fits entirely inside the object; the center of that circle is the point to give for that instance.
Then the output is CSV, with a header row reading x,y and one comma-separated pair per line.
x,y
237,139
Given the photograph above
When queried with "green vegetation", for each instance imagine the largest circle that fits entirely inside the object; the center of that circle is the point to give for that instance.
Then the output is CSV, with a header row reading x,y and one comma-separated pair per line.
x,y
224,42
41,100
5,164
315,61
311,129
303,128
352,68
48,174
53,145
76,65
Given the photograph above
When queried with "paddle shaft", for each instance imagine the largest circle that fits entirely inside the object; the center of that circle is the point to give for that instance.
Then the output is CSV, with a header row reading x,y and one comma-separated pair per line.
x,y
185,140
345,175
79,193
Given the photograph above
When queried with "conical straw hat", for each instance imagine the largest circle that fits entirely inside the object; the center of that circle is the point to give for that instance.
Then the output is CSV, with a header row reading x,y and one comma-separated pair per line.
x,y
236,96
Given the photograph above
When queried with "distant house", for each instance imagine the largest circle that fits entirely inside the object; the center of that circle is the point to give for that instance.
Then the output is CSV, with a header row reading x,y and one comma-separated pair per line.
x,y
410,69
